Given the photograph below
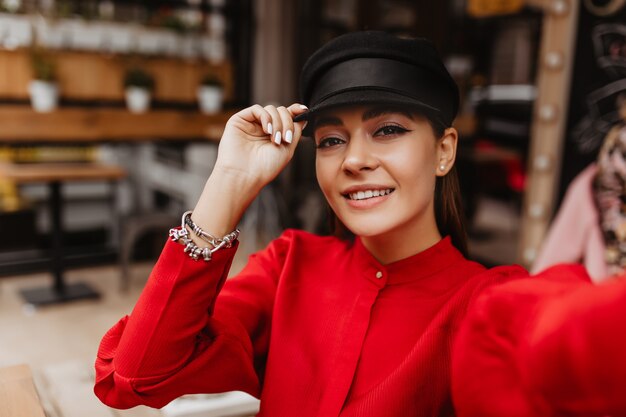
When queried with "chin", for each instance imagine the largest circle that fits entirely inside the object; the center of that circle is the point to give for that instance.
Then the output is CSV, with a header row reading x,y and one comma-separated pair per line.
x,y
366,227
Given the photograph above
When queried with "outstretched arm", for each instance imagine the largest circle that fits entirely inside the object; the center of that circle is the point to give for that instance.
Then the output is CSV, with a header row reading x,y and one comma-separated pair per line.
x,y
548,345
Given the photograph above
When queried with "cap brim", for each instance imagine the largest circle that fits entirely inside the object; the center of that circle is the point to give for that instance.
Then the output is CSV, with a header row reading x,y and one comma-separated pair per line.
x,y
363,98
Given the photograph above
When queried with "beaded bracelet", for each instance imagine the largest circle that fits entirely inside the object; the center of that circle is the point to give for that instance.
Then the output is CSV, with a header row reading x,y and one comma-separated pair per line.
x,y
194,251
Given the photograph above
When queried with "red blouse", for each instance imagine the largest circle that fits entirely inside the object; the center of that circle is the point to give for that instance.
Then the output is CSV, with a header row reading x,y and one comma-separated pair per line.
x,y
315,326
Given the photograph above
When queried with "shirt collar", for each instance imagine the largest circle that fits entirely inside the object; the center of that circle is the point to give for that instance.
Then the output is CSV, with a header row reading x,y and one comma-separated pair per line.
x,y
421,265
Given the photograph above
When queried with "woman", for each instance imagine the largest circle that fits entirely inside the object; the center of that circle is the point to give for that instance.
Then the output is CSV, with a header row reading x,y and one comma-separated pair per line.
x,y
322,326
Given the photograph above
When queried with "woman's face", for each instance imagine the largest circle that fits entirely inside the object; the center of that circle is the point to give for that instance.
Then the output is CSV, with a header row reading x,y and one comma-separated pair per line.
x,y
377,168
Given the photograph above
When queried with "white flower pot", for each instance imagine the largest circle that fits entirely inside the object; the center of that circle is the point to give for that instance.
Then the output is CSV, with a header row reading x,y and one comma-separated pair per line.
x,y
137,99
210,99
44,95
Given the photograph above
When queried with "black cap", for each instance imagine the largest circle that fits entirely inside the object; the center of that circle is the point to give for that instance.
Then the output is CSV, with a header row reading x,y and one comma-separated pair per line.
x,y
373,67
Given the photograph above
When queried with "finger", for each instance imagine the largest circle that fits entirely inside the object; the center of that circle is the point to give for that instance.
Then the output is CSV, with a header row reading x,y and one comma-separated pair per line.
x,y
287,121
277,125
296,109
257,114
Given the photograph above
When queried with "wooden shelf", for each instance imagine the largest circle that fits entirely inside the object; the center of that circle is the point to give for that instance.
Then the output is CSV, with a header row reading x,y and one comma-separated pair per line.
x,y
22,124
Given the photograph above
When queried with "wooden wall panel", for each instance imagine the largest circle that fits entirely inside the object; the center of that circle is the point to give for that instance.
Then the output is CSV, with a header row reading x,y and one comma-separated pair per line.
x,y
15,72
93,76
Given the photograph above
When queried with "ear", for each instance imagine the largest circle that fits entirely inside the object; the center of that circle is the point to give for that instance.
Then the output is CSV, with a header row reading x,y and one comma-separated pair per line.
x,y
446,151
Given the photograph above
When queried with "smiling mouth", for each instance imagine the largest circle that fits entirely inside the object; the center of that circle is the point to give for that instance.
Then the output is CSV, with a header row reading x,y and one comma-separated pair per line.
x,y
367,194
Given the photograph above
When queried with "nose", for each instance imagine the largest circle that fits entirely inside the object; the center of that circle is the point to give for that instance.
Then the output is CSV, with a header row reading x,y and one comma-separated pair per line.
x,y
359,156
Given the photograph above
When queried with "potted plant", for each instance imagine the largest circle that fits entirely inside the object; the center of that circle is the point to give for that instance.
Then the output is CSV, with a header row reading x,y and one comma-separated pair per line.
x,y
43,89
138,88
210,94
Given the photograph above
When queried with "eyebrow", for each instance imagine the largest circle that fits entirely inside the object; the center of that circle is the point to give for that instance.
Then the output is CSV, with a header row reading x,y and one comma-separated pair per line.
x,y
367,115
380,111
328,121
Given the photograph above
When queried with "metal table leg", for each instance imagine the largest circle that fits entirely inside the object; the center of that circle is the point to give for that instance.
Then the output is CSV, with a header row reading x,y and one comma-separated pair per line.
x,y
60,291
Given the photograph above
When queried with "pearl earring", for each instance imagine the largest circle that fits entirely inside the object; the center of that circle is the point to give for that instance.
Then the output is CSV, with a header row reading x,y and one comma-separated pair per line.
x,y
442,167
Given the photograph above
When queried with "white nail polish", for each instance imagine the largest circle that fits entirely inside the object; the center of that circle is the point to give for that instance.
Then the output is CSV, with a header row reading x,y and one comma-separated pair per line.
x,y
277,137
269,128
288,136
303,107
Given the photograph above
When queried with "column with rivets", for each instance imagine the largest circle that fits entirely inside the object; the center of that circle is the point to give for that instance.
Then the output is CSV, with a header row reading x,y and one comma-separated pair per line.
x,y
549,120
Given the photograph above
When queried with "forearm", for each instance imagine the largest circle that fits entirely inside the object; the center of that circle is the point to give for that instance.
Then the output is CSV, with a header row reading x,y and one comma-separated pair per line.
x,y
175,342
175,304
224,199
163,329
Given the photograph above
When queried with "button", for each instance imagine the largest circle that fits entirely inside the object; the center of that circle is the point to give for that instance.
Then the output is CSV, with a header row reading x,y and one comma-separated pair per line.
x,y
379,275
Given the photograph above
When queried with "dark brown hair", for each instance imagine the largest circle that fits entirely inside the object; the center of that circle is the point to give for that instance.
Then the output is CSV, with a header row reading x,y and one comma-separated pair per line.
x,y
449,210
448,206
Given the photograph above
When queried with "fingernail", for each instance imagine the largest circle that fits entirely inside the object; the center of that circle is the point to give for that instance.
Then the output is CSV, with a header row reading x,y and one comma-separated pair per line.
x,y
288,136
277,137
269,128
303,107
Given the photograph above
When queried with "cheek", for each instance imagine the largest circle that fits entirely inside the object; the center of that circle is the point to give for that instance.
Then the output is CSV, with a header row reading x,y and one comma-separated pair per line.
x,y
415,165
324,175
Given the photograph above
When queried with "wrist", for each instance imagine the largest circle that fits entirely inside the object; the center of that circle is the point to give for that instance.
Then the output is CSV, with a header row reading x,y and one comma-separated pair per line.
x,y
235,179
225,198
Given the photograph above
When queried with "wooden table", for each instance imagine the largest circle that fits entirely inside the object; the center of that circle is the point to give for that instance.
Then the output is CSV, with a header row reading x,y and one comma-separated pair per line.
x,y
18,396
54,175
83,125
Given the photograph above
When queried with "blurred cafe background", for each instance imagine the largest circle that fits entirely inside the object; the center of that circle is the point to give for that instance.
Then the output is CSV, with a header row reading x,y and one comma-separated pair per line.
x,y
111,112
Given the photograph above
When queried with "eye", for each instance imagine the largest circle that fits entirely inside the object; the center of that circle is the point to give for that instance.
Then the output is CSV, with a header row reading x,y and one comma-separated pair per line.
x,y
329,142
390,130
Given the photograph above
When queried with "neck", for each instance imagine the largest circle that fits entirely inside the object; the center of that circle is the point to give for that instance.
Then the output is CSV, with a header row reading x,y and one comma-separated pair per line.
x,y
402,242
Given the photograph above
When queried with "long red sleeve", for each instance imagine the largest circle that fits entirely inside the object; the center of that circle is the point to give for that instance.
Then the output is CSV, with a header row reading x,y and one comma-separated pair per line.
x,y
549,345
173,343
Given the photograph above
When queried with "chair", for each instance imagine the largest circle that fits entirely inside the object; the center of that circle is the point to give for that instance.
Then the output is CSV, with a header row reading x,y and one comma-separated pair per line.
x,y
134,227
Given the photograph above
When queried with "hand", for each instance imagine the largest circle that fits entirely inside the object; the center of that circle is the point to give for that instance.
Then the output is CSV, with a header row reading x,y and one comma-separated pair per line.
x,y
258,142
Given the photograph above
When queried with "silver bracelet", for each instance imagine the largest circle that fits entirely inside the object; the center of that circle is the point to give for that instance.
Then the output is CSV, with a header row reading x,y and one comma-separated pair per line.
x,y
207,237
194,251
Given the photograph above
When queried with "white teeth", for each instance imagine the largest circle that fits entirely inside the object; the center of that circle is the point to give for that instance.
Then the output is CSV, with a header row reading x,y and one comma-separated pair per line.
x,y
362,195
